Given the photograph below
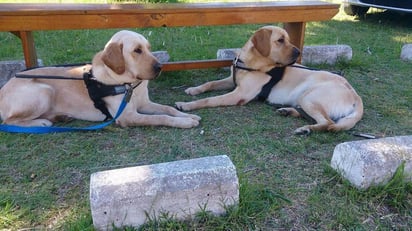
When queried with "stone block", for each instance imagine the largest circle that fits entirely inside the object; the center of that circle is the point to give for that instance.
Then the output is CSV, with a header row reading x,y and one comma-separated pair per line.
x,y
9,68
162,56
229,53
406,52
128,196
328,54
373,162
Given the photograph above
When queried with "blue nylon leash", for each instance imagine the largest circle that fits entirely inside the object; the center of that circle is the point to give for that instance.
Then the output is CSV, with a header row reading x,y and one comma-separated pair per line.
x,y
44,130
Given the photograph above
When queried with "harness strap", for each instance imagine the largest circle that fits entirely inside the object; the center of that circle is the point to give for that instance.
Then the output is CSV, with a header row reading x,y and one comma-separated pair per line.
x,y
97,91
276,74
314,69
24,76
239,64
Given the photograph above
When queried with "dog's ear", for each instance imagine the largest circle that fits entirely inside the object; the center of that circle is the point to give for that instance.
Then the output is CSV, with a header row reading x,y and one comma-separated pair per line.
x,y
261,41
113,58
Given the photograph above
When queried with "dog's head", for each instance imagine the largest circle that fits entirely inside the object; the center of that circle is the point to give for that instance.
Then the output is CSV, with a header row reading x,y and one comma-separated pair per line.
x,y
128,55
270,46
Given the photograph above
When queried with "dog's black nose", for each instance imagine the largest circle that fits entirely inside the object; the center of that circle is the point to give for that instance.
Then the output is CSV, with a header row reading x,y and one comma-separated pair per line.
x,y
157,67
296,53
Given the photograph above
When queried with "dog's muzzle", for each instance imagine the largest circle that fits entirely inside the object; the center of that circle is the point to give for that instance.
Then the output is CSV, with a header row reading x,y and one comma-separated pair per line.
x,y
295,54
294,57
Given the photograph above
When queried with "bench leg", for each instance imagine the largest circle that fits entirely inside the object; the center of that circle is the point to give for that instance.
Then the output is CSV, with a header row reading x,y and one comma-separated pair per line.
x,y
296,32
27,41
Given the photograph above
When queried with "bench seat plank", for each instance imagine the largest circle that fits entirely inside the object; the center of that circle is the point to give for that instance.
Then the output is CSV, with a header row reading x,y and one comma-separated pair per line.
x,y
22,19
31,17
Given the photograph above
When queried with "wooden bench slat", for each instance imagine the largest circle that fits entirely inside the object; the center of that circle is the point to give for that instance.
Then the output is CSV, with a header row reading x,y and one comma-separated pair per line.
x,y
22,19
72,16
160,8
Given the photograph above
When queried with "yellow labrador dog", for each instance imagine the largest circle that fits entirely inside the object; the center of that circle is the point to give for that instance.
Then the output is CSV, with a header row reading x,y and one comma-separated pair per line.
x,y
126,62
264,70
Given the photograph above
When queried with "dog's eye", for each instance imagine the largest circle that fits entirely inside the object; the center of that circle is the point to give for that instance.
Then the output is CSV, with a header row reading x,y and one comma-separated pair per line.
x,y
138,50
281,40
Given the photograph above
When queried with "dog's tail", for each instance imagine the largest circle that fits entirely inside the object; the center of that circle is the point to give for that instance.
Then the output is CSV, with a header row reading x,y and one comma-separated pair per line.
x,y
349,120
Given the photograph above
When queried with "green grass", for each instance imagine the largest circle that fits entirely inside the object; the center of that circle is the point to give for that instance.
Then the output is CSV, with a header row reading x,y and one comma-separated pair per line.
x,y
285,180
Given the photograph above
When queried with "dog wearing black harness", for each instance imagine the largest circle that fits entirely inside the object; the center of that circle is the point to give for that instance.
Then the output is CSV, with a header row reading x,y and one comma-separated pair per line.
x,y
36,98
265,70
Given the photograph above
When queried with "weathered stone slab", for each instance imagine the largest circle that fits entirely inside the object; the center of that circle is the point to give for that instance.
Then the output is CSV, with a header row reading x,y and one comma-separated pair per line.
x,y
9,68
125,197
229,53
373,162
162,56
327,54
406,52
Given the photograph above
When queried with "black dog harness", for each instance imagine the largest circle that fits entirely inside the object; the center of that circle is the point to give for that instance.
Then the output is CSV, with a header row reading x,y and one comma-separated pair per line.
x,y
275,73
97,90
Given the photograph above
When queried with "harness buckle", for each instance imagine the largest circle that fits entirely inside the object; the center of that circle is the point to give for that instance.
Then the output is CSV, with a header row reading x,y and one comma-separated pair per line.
x,y
129,92
235,61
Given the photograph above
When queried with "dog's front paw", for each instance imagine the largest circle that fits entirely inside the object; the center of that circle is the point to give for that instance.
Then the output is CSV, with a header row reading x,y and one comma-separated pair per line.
x,y
303,131
189,123
182,106
195,117
192,91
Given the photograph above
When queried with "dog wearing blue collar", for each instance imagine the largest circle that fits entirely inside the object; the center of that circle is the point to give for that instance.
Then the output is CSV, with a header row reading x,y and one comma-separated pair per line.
x,y
125,65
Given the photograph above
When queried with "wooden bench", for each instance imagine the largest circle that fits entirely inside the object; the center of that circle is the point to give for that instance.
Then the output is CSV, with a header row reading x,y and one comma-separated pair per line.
x,y
23,19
